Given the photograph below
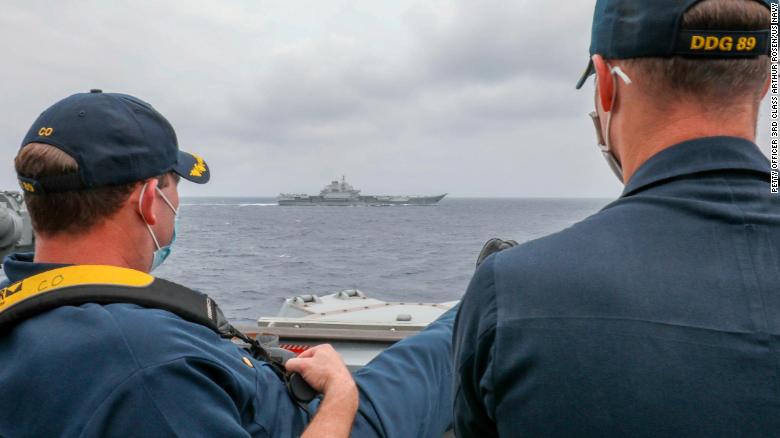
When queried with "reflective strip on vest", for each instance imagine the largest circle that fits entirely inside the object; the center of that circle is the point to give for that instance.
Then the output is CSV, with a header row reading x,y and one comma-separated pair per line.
x,y
69,276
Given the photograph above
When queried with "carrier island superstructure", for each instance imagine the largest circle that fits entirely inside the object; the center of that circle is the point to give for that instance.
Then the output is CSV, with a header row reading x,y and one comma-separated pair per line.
x,y
341,193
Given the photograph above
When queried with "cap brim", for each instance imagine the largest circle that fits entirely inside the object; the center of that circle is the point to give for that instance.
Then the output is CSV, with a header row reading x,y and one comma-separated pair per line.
x,y
589,70
192,168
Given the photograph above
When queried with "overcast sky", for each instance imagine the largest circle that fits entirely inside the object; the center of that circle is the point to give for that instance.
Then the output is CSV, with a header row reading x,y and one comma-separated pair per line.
x,y
473,98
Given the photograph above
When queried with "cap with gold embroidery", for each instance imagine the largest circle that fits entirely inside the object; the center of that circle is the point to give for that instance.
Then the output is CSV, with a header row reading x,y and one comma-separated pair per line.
x,y
624,29
114,138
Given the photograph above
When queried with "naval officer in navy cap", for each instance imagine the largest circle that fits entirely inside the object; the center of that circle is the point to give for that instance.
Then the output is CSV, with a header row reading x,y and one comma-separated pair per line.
x,y
92,345
659,315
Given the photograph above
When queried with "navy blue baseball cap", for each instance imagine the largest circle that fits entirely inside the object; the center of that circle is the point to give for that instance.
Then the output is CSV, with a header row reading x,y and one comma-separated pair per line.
x,y
114,138
624,29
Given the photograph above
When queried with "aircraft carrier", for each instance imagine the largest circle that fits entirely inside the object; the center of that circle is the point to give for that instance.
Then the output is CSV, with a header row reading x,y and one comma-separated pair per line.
x,y
341,193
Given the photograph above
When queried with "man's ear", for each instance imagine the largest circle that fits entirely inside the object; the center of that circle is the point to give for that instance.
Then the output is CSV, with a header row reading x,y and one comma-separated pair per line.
x,y
604,81
148,198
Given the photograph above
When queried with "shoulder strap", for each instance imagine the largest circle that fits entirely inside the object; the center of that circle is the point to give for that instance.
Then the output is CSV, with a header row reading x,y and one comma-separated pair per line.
x,y
76,285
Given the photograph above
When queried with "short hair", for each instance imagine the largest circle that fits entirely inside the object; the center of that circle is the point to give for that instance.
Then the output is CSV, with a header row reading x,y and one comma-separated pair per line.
x,y
710,80
71,212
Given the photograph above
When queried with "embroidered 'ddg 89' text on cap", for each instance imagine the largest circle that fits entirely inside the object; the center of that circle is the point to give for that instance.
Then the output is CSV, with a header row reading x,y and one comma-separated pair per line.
x,y
624,29
114,138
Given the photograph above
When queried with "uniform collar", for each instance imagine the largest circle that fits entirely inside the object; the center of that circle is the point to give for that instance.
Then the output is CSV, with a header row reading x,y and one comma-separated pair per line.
x,y
21,265
695,156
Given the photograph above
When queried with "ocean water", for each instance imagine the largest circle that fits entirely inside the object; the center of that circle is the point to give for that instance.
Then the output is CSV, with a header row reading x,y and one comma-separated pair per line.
x,y
250,254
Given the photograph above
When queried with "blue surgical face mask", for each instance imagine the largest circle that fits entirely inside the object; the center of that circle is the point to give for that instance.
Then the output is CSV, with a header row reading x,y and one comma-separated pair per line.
x,y
162,252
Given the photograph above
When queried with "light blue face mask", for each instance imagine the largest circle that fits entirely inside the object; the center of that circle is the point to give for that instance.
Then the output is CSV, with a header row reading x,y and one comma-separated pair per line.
x,y
162,252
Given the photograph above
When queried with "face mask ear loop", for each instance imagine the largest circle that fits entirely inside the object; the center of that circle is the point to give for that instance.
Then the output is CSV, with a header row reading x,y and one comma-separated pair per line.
x,y
616,72
140,210
170,204
619,71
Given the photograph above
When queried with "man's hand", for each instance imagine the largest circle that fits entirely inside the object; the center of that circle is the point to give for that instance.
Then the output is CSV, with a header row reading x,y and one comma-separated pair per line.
x,y
324,369
494,245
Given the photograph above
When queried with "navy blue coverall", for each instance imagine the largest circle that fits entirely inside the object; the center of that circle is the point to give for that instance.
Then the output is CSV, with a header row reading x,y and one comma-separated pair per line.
x,y
657,316
121,370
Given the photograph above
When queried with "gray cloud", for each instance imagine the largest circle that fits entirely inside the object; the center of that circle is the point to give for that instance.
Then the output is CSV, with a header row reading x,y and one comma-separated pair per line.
x,y
470,68
496,40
